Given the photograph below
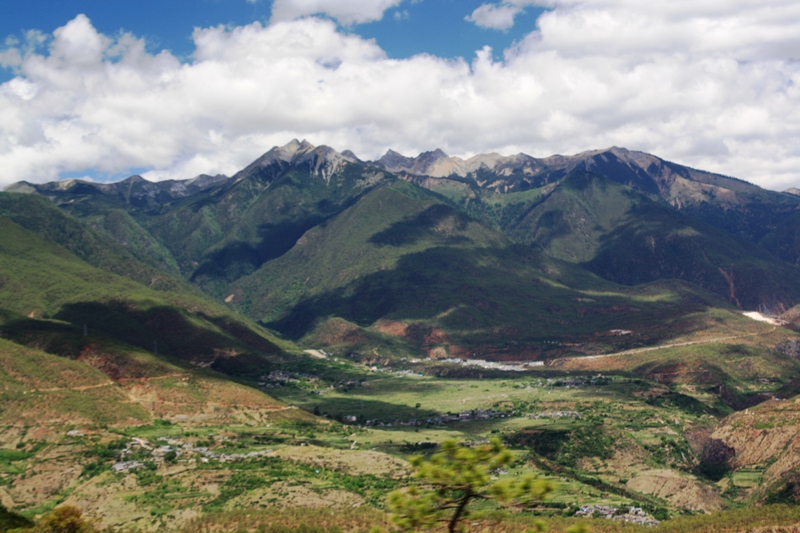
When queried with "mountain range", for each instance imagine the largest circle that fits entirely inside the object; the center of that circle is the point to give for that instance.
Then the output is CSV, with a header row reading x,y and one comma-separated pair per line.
x,y
440,255
182,310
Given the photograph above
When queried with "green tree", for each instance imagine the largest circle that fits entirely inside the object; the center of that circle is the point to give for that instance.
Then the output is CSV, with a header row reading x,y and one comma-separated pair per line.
x,y
64,519
454,477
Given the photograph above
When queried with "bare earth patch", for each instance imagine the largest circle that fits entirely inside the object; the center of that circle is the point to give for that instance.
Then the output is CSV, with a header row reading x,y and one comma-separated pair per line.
x,y
678,490
349,462
287,494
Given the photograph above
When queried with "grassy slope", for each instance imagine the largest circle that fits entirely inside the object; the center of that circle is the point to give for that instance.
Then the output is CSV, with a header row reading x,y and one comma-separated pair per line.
x,y
42,280
766,465
224,234
777,518
42,217
38,388
626,237
401,255
373,236
124,229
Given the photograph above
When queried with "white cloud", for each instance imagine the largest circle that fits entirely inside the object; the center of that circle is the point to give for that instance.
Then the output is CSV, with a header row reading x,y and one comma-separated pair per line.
x,y
494,16
345,11
707,83
499,16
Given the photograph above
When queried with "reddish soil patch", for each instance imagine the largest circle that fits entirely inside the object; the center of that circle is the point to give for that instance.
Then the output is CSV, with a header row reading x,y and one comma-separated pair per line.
x,y
335,332
391,327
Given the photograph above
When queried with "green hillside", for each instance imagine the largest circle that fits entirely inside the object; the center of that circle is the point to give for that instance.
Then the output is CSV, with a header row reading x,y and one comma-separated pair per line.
x,y
631,219
630,238
220,236
137,319
38,388
401,266
784,240
42,280
100,250
404,270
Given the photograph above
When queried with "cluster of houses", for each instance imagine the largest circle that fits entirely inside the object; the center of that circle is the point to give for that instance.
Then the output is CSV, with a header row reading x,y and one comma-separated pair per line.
x,y
277,378
179,448
570,382
635,515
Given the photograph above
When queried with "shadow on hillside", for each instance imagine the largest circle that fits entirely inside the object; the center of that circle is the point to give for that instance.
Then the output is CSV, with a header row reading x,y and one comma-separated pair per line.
x,y
437,218
552,225
172,332
659,243
293,207
481,294
240,258
366,409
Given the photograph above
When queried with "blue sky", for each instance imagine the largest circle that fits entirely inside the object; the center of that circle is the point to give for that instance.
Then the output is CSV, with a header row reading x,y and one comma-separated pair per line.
x,y
103,89
435,27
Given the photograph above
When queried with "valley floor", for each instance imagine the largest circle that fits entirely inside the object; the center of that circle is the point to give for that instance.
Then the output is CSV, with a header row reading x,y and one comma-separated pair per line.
x,y
607,437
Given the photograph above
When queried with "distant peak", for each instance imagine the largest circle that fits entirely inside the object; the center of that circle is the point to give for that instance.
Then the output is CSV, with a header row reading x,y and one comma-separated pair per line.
x,y
436,154
349,154
618,150
288,151
395,161
134,179
294,145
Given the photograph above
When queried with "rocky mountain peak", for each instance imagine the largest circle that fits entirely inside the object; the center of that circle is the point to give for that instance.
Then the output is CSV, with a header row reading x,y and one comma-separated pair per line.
x,y
394,161
322,160
421,165
289,151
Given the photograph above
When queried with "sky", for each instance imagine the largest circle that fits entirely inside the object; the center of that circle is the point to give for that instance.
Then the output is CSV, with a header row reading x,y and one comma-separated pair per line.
x,y
106,88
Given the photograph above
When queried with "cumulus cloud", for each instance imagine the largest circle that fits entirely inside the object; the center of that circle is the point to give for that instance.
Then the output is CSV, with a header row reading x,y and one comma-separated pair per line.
x,y
709,83
498,16
345,11
494,16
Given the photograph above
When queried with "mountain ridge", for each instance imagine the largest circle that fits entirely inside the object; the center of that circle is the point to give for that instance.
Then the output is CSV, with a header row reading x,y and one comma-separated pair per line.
x,y
325,160
216,230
